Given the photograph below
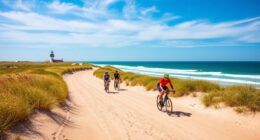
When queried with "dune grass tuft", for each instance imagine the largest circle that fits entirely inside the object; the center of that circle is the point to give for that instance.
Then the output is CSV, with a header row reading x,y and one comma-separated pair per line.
x,y
31,86
235,96
12,110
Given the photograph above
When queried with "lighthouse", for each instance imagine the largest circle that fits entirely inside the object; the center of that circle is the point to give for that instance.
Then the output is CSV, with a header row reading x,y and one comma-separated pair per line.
x,y
52,56
52,60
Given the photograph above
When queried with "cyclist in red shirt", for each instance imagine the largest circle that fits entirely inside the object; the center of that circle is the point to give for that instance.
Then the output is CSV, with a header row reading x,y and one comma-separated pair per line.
x,y
162,86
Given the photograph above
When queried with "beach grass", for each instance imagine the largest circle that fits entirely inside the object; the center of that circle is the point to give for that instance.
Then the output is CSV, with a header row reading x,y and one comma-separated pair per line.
x,y
235,96
26,87
239,97
182,87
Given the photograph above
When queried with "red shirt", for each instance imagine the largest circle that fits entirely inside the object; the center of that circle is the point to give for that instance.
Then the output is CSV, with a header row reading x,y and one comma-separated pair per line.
x,y
164,81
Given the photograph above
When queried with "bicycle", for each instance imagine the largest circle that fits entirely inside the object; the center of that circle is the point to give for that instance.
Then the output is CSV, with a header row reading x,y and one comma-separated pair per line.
x,y
117,84
167,103
107,86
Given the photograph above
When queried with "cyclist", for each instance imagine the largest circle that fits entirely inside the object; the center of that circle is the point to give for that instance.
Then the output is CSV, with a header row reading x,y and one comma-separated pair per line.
x,y
116,78
162,86
106,78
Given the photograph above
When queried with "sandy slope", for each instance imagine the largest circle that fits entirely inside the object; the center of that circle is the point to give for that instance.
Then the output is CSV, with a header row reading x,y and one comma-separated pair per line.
x,y
92,114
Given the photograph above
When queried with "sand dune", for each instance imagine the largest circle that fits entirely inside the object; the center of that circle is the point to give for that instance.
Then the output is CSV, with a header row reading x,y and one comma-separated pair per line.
x,y
92,114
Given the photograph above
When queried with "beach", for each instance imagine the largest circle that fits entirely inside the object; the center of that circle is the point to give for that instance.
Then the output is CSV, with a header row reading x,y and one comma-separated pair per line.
x,y
131,113
188,70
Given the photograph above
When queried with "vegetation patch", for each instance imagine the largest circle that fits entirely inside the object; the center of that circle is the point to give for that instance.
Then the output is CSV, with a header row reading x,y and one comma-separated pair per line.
x,y
235,96
26,87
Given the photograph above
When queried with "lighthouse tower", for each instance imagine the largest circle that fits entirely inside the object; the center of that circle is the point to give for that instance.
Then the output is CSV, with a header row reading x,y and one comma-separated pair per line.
x,y
52,60
51,57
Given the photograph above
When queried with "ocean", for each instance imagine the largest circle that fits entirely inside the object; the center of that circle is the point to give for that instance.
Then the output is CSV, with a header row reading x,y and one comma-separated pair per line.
x,y
223,73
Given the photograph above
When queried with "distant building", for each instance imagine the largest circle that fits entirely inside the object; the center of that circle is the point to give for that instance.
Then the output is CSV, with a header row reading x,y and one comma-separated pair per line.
x,y
52,60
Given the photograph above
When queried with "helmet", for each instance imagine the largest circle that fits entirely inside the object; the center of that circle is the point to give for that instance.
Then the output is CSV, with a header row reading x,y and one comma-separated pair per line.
x,y
166,75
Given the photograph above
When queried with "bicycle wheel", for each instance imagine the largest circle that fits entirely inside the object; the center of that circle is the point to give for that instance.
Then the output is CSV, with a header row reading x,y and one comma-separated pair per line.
x,y
168,105
107,87
158,103
118,86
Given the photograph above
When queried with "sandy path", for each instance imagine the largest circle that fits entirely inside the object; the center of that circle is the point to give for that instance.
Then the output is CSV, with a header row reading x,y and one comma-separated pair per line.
x,y
132,114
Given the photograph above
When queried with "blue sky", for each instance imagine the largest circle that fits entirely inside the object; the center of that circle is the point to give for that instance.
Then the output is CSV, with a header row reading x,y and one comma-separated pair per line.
x,y
171,30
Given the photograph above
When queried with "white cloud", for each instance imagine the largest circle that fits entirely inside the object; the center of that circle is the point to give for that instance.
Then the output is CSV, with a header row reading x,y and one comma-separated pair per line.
x,y
93,10
100,27
34,21
130,10
109,2
22,5
19,4
198,30
123,25
149,10
251,38
71,39
61,8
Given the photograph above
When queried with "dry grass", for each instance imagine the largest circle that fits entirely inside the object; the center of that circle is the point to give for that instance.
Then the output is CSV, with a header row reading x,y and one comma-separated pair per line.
x,y
235,96
29,87
194,94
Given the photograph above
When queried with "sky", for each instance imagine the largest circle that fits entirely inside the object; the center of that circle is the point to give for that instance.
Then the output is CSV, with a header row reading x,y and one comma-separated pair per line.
x,y
130,30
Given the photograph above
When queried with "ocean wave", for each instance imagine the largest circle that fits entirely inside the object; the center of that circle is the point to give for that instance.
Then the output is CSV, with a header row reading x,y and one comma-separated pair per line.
x,y
220,80
186,72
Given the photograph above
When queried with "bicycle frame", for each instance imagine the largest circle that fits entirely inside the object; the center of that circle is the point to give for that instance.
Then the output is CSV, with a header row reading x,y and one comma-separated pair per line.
x,y
165,98
167,103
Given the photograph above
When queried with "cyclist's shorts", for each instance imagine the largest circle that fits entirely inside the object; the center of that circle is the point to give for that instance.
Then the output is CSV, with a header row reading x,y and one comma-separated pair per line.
x,y
159,88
